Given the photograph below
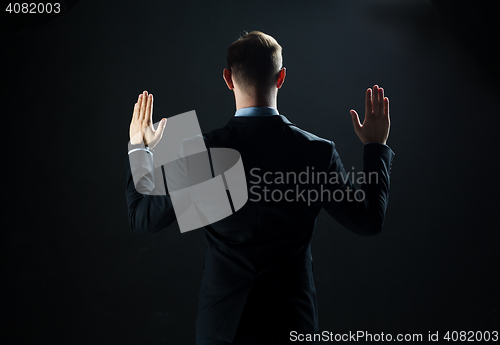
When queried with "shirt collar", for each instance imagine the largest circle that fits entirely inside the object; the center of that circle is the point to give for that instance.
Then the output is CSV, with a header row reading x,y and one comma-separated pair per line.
x,y
256,111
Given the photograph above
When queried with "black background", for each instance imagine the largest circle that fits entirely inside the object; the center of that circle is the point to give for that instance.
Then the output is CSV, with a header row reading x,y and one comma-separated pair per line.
x,y
77,274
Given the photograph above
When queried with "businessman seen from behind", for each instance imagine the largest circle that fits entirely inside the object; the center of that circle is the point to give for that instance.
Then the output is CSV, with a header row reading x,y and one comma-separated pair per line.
x,y
257,284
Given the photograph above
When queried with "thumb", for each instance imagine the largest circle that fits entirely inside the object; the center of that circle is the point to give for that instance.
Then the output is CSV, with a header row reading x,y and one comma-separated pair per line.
x,y
355,120
160,129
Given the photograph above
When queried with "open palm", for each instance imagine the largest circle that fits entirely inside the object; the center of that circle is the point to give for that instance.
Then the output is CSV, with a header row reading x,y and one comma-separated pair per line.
x,y
141,127
376,124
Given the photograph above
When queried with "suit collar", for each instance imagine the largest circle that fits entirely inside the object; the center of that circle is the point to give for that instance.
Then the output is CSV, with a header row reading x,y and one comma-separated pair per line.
x,y
259,121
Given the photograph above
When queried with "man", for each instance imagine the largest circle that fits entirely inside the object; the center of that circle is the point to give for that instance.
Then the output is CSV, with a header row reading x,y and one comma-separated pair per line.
x,y
257,285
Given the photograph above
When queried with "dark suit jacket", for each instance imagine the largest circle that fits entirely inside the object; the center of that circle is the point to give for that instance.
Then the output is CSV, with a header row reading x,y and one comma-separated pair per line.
x,y
258,261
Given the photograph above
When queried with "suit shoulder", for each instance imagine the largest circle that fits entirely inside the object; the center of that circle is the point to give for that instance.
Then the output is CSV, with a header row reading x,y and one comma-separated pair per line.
x,y
306,135
214,136
212,133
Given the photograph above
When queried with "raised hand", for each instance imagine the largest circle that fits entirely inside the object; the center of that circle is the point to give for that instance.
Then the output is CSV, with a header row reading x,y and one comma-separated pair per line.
x,y
376,124
141,127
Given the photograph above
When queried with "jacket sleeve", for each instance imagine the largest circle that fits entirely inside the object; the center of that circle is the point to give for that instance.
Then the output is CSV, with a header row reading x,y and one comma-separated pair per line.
x,y
362,210
149,207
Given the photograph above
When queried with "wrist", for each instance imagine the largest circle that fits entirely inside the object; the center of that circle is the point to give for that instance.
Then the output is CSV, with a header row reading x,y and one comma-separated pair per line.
x,y
132,146
136,142
375,142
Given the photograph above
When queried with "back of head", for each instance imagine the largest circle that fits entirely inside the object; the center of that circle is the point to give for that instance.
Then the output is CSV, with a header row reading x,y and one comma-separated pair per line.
x,y
255,61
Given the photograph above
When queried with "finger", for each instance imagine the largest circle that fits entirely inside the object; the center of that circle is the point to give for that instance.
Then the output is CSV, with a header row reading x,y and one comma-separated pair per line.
x,y
147,114
137,107
139,101
386,107
150,117
375,99
355,121
368,103
135,114
143,105
381,102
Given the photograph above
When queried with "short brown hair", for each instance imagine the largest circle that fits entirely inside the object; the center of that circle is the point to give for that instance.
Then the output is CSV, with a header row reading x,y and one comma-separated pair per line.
x,y
255,61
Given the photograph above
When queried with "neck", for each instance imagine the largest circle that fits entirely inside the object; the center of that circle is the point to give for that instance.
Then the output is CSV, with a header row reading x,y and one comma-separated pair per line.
x,y
245,101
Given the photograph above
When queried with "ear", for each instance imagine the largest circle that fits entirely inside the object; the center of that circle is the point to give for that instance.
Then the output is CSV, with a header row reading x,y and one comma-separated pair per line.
x,y
281,78
226,74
